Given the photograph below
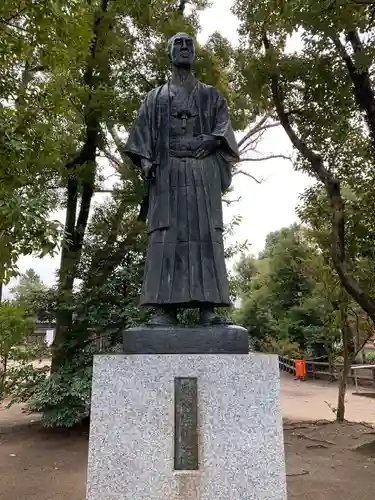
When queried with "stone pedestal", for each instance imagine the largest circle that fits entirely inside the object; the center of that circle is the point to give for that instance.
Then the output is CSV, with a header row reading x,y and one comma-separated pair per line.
x,y
186,427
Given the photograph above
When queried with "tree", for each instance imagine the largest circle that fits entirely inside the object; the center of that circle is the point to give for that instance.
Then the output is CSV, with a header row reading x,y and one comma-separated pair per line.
x,y
256,312
33,133
355,325
296,305
28,287
245,270
279,300
322,95
18,377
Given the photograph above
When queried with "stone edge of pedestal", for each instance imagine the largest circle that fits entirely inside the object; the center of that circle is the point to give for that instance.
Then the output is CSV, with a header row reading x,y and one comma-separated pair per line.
x,y
262,358
218,339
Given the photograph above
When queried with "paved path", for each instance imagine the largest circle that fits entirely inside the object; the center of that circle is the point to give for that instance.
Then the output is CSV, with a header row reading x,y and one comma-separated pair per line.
x,y
311,400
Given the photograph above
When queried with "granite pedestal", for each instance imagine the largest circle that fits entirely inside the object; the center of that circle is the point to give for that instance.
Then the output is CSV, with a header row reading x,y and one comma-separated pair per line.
x,y
186,427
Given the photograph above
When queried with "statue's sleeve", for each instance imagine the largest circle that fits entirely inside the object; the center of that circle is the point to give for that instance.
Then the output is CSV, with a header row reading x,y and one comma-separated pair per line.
x,y
139,144
228,152
223,129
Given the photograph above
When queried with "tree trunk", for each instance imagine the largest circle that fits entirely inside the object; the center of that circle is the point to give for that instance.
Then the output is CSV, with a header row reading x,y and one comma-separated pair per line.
x,y
347,346
3,374
75,228
330,363
340,413
70,258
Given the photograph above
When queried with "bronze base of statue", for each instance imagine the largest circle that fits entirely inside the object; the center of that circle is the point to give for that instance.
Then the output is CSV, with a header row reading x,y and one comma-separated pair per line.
x,y
176,339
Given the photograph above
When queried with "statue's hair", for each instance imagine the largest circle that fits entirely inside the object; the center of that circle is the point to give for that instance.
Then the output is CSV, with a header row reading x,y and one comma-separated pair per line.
x,y
172,39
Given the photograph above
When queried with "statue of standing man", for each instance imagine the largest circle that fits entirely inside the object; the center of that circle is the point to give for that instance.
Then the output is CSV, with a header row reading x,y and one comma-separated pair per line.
x,y
184,144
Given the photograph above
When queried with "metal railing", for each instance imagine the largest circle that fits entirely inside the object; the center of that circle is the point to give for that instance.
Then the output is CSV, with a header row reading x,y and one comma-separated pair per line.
x,y
327,371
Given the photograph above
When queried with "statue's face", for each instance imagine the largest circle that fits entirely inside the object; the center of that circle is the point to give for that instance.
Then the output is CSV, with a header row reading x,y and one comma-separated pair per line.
x,y
182,51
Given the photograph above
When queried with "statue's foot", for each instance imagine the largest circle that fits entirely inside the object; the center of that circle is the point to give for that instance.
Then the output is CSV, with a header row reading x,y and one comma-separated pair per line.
x,y
208,317
163,318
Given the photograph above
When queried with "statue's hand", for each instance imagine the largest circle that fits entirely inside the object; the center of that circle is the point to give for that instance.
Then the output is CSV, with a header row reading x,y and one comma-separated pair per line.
x,y
209,145
148,170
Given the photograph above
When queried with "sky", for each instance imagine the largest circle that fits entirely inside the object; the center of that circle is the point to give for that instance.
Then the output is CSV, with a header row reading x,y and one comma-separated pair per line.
x,y
264,207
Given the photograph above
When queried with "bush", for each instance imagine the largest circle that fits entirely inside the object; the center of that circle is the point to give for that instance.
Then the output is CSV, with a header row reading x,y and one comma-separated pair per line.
x,y
18,376
282,347
64,398
370,356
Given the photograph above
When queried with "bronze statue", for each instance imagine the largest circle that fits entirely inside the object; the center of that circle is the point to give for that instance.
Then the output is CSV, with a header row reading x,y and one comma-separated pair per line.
x,y
185,146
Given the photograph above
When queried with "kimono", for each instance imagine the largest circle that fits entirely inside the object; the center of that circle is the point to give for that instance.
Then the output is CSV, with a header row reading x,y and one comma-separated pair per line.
x,y
185,265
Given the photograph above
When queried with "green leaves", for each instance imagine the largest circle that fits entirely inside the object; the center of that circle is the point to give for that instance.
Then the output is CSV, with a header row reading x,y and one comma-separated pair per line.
x,y
64,397
24,229
14,327
282,301
18,376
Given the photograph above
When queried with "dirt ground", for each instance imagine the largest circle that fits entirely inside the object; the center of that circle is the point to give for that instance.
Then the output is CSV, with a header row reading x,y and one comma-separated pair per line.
x,y
325,461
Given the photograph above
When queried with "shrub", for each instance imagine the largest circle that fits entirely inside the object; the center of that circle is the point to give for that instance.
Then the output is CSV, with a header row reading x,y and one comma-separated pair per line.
x,y
370,356
18,376
282,347
64,397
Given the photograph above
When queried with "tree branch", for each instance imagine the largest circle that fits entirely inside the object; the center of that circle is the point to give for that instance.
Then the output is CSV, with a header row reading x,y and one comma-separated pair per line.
x,y
265,158
37,68
112,158
364,2
242,172
118,142
253,130
362,345
229,202
145,79
18,12
181,6
363,91
11,25
258,127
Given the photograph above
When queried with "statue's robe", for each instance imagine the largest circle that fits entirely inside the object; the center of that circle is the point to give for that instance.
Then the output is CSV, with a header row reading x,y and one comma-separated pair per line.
x,y
185,264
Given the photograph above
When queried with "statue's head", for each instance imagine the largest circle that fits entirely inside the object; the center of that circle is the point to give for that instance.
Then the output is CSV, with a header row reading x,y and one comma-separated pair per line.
x,y
181,50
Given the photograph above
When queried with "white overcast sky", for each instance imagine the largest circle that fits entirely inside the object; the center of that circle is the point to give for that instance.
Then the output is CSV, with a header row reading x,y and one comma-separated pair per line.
x,y
264,207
